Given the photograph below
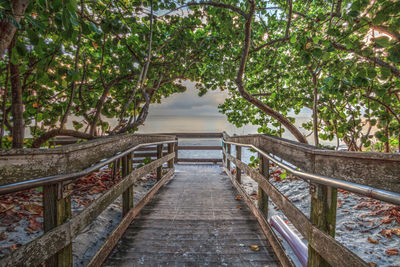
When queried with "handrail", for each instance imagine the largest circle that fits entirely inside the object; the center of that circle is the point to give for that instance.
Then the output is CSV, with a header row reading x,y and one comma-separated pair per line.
x,y
10,188
369,191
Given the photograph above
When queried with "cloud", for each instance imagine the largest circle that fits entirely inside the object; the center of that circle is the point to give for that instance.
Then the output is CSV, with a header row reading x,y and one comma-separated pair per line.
x,y
189,104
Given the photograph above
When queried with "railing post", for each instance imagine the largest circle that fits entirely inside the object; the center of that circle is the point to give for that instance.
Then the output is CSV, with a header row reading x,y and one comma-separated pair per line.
x,y
323,215
228,162
176,150
223,154
171,150
114,170
262,196
56,211
159,155
127,195
238,170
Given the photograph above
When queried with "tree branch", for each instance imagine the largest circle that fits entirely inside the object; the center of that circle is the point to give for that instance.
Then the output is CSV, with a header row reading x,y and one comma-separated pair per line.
x,y
57,132
239,81
7,29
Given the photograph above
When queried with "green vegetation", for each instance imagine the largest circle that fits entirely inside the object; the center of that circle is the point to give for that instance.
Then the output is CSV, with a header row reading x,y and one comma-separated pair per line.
x,y
87,61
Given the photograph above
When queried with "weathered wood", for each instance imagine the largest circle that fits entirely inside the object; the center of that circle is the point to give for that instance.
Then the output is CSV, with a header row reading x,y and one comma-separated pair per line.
x,y
262,196
17,165
150,148
199,160
176,149
56,211
195,135
127,196
102,254
223,154
45,246
379,170
159,155
114,169
262,220
323,215
238,170
171,150
228,162
199,147
149,154
178,228
331,250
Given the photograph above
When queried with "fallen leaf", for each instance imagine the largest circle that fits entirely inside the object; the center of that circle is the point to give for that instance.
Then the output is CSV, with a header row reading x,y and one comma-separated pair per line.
x,y
254,247
372,263
386,233
393,251
395,231
5,207
238,197
33,208
372,241
34,225
348,228
239,207
14,247
387,220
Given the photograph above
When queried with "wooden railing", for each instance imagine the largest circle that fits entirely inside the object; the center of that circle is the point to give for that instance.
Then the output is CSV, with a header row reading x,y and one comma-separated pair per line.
x,y
21,169
151,152
362,168
55,246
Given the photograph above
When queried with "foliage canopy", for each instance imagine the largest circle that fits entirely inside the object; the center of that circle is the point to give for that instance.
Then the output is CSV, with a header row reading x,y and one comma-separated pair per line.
x,y
91,61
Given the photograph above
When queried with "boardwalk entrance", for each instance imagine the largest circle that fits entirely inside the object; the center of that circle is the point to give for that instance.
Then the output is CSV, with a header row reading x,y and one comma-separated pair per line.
x,y
194,220
190,217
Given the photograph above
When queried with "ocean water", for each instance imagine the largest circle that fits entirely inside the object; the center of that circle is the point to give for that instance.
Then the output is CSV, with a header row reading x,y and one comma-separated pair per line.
x,y
246,153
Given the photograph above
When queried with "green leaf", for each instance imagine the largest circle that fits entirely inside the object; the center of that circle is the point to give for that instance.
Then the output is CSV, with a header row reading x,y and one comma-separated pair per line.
x,y
33,37
371,73
394,54
317,52
94,28
293,39
382,41
385,73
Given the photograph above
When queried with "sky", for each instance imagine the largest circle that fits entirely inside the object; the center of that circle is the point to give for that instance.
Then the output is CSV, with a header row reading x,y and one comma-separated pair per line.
x,y
187,112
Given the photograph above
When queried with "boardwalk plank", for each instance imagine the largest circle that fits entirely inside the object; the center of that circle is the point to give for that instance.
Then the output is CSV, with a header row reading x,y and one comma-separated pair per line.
x,y
194,221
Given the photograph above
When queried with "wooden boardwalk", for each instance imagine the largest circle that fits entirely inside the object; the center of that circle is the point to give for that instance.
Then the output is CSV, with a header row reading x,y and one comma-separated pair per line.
x,y
194,220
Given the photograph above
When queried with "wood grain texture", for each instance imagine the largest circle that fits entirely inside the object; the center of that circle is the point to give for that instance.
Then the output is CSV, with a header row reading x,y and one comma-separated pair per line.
x,y
262,220
118,232
331,250
194,220
379,170
45,246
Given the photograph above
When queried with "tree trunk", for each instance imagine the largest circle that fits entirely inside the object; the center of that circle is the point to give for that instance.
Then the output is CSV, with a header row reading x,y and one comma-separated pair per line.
x,y
17,108
4,107
7,29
